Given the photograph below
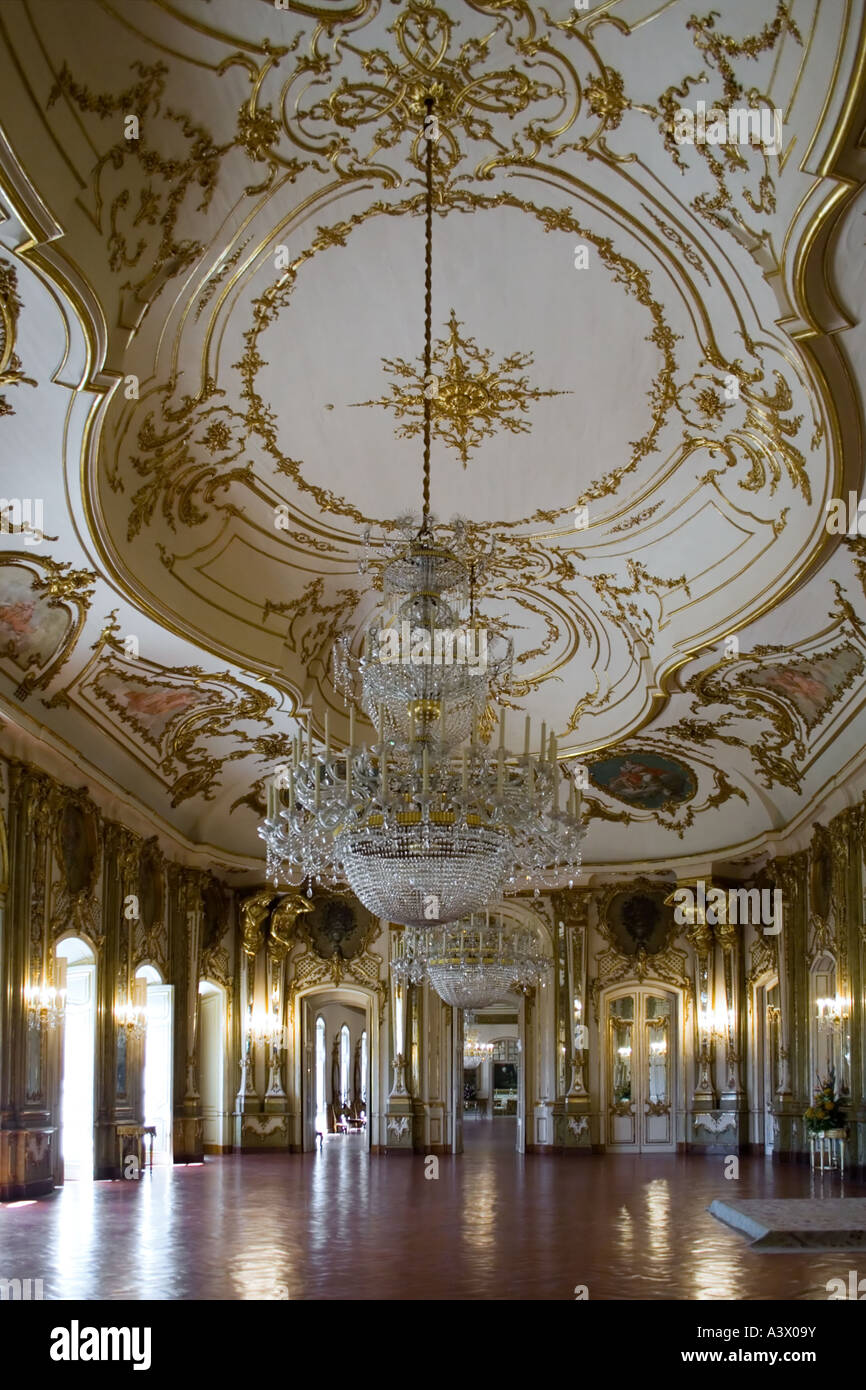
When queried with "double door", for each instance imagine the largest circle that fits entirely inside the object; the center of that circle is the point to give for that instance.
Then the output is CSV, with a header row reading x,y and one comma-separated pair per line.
x,y
641,1028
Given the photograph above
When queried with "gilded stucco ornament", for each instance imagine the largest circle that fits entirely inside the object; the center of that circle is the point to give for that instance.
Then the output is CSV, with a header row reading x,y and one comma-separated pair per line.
x,y
791,690
173,714
752,191
474,396
54,589
354,77
11,373
613,964
254,911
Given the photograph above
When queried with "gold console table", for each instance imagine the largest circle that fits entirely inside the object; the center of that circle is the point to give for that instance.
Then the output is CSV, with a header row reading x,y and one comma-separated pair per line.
x,y
139,1133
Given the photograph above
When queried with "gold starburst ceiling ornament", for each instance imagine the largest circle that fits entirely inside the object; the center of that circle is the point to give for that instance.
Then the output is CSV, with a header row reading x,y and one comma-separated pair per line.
x,y
470,396
424,828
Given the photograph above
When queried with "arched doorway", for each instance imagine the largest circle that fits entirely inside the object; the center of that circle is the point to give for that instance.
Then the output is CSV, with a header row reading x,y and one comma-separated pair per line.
x,y
79,1059
212,1053
334,1074
642,1069
158,1061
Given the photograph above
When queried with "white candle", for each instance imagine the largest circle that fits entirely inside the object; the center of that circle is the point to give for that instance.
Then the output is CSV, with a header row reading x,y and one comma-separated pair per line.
x,y
317,791
425,771
500,773
442,719
502,728
272,798
327,734
381,728
465,778
351,726
526,738
543,743
291,791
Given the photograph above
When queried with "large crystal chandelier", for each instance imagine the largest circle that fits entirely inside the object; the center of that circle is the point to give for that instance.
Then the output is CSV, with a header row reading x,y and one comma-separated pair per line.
x,y
473,962
426,824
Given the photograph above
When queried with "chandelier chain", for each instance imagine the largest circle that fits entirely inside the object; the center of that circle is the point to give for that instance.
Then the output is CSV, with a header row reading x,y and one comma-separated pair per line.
x,y
428,312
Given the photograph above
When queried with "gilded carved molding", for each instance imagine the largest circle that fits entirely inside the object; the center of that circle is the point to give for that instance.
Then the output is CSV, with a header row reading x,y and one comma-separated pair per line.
x,y
11,373
254,911
43,617
170,713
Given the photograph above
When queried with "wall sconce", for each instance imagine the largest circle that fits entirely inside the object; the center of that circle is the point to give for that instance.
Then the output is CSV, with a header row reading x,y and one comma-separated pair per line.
x,y
133,1014
716,1024
46,1003
832,1012
265,1027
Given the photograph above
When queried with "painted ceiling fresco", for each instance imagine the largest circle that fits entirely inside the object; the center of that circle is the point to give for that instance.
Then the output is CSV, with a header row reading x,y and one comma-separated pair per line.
x,y
649,362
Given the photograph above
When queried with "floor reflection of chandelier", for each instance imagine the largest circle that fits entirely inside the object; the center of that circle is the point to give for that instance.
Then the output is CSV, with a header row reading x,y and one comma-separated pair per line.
x,y
471,963
426,824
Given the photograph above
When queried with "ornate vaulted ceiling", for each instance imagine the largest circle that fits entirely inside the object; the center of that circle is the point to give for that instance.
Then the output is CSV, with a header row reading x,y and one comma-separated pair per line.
x,y
649,358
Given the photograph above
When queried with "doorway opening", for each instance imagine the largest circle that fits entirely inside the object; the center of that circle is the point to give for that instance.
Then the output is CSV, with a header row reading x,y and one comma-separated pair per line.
x,y
214,1043
79,1059
158,1061
336,1080
492,1074
641,1070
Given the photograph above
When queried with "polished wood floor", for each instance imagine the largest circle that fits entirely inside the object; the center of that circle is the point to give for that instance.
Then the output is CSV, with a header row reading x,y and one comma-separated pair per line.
x,y
342,1225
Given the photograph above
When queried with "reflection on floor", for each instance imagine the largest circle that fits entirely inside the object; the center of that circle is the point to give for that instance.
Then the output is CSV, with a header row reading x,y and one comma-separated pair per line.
x,y
342,1224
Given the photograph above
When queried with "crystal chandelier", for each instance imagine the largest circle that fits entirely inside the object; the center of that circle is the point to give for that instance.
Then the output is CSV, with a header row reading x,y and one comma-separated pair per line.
x,y
471,963
474,1050
426,824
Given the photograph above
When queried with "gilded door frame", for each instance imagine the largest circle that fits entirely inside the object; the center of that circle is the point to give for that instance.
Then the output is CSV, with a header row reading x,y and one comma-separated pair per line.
x,y
643,988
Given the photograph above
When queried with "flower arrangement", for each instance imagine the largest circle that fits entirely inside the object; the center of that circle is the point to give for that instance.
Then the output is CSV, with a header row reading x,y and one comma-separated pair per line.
x,y
825,1112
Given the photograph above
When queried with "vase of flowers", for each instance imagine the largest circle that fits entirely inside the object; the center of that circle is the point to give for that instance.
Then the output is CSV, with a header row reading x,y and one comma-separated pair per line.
x,y
825,1115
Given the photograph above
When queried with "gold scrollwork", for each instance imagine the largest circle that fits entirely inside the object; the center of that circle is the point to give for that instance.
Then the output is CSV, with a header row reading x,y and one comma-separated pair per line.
x,y
213,706
473,397
11,373
62,588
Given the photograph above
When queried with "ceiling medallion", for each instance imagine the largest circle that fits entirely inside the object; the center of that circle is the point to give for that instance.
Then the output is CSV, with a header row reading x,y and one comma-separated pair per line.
x,y
471,396
422,827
